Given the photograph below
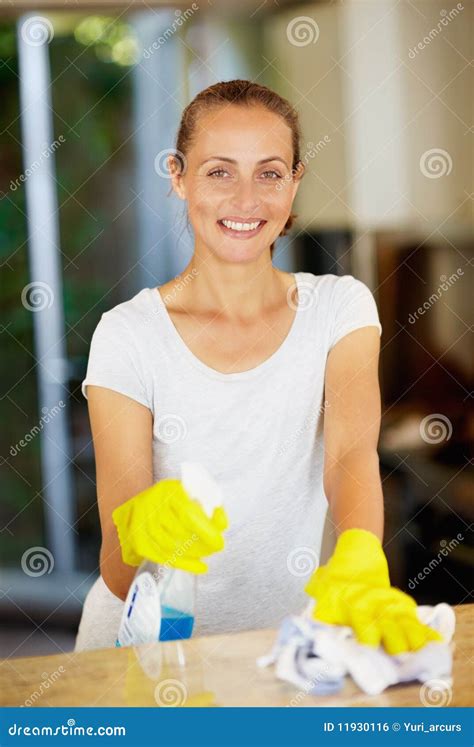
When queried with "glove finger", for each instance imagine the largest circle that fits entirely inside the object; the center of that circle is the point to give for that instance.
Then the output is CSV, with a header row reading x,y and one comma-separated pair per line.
x,y
220,518
315,583
192,515
419,634
195,546
175,528
160,544
175,548
394,638
366,627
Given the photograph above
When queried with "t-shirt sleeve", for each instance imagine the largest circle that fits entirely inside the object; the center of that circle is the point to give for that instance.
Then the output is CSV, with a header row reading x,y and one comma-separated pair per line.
x,y
114,361
353,306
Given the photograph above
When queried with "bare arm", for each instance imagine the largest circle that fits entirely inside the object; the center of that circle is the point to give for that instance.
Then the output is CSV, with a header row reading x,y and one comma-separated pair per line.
x,y
351,430
122,435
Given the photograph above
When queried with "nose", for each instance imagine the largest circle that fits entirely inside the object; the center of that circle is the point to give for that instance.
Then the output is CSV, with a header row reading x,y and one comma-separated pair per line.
x,y
246,201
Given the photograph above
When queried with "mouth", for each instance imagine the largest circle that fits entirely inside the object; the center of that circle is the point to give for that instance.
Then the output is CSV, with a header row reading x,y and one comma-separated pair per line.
x,y
240,229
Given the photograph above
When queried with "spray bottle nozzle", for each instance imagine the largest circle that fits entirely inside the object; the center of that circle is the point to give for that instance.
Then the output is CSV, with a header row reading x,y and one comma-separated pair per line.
x,y
201,486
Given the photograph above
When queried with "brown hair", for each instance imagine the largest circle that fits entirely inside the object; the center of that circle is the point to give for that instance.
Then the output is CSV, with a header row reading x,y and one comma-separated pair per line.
x,y
242,93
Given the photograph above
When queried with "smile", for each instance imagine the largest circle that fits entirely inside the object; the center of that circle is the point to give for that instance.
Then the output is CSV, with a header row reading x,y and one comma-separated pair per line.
x,y
240,229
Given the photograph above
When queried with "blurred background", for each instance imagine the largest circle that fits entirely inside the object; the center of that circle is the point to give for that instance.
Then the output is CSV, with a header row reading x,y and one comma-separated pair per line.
x,y
91,95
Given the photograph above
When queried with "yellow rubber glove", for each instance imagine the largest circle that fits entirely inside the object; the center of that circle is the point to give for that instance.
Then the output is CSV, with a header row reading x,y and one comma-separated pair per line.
x,y
165,525
353,589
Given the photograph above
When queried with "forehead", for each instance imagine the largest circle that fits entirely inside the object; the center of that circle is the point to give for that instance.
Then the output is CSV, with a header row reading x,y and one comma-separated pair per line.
x,y
243,133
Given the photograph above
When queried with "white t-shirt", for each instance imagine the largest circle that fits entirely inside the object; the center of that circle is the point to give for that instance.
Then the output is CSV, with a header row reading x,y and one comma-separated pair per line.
x,y
258,432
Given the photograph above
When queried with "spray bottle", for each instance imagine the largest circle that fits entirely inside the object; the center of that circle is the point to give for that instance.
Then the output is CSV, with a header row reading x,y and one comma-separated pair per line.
x,y
161,599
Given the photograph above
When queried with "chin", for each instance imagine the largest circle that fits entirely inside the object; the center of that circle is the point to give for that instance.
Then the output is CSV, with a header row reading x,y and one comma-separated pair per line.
x,y
239,254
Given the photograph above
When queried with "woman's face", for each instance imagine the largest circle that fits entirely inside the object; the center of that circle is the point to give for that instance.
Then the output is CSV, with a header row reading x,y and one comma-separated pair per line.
x,y
238,181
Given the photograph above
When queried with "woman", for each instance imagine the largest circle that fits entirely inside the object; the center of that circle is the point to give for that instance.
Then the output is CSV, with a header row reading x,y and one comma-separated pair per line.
x,y
267,378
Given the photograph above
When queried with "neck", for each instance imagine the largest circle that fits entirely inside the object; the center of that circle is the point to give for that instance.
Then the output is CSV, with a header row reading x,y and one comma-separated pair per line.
x,y
235,291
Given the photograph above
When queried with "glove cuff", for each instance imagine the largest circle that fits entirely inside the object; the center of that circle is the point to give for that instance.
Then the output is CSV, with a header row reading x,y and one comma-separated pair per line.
x,y
354,538
129,556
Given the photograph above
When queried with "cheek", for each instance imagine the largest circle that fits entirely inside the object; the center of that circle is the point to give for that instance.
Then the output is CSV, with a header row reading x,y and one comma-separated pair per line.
x,y
206,197
279,200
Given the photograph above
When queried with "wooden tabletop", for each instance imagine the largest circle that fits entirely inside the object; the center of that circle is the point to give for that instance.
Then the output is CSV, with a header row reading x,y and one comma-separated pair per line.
x,y
208,671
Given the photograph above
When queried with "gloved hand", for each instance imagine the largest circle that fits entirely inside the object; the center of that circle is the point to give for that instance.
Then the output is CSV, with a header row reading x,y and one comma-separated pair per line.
x,y
165,525
353,589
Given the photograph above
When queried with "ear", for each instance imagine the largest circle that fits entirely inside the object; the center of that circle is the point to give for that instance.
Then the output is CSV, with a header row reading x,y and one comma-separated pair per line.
x,y
176,175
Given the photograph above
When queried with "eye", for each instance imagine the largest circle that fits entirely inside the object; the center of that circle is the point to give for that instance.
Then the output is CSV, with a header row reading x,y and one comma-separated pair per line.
x,y
276,175
217,172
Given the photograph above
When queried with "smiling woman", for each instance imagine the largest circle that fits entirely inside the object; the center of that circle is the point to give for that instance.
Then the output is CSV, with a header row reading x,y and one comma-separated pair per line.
x,y
269,379
216,117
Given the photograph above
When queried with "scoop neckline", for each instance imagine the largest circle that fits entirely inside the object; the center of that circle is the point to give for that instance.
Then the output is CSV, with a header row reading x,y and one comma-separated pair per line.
x,y
268,363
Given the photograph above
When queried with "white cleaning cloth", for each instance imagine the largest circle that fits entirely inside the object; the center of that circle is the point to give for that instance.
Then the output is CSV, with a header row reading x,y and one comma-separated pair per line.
x,y
316,656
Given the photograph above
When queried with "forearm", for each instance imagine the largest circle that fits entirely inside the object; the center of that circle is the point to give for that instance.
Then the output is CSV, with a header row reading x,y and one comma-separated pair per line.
x,y
116,574
354,492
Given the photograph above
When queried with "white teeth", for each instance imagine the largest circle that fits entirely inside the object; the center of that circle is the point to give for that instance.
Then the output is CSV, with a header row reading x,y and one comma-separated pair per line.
x,y
240,226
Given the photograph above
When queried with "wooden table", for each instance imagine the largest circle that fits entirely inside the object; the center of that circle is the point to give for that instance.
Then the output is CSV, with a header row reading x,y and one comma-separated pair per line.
x,y
207,671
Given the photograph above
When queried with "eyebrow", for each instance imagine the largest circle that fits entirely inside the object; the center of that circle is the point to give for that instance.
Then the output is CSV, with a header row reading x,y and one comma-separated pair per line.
x,y
231,160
